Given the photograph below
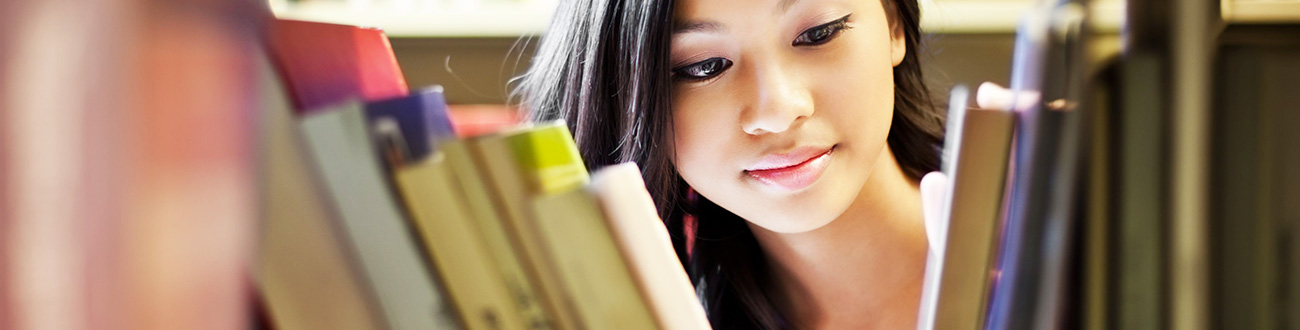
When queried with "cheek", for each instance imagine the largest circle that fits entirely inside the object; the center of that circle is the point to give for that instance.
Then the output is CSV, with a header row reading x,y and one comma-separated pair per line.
x,y
856,94
702,139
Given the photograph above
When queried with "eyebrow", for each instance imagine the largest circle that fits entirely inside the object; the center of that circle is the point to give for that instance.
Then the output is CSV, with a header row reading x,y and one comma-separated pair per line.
x,y
711,26
784,5
697,26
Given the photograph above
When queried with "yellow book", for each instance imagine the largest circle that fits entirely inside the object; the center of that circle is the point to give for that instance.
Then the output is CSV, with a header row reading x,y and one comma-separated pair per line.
x,y
493,233
590,264
444,222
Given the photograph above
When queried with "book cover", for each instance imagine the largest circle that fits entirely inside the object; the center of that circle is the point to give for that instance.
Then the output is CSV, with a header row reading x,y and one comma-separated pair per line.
x,y
452,240
643,240
324,63
489,222
303,267
420,118
376,226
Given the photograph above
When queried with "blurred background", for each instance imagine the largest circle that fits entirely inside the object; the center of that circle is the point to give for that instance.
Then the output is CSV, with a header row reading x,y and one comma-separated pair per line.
x,y
130,184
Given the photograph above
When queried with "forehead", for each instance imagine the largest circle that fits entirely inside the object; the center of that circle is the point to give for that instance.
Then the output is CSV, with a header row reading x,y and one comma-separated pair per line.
x,y
717,14
693,9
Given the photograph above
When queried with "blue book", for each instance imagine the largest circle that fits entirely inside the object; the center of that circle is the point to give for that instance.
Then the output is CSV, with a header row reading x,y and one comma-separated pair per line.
x,y
406,129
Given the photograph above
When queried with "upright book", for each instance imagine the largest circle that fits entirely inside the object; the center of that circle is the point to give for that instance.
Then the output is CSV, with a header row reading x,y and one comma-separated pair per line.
x,y
489,221
420,119
304,266
512,193
588,262
443,217
391,260
974,215
645,245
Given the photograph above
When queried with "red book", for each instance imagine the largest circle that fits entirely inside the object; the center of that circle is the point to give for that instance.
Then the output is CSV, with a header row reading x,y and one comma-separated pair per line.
x,y
324,64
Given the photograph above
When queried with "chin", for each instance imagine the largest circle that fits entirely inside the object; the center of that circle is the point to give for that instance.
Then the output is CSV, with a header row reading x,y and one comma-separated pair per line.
x,y
808,211
792,224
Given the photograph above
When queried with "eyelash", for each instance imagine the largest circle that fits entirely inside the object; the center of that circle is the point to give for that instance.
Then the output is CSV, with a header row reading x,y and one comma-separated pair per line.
x,y
827,33
830,30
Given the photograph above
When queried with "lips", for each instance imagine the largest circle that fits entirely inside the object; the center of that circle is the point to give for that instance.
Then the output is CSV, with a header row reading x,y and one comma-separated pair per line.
x,y
795,170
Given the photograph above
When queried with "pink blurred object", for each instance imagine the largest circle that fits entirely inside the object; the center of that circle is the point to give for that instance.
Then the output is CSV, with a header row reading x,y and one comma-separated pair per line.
x,y
323,64
128,170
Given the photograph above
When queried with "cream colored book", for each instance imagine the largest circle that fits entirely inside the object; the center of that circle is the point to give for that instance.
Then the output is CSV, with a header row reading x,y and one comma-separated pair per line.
x,y
590,264
509,161
442,217
643,240
488,220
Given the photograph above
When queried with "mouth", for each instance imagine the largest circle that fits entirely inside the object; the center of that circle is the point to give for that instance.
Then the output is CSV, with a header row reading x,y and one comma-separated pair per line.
x,y
792,171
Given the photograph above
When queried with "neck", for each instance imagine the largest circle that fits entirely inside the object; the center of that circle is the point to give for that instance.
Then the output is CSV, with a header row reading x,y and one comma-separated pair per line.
x,y
861,271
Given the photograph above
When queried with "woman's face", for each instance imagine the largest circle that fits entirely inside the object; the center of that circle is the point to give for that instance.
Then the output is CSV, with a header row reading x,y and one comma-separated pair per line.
x,y
781,107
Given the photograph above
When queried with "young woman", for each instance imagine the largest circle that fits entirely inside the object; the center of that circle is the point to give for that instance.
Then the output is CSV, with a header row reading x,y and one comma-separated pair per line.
x,y
792,132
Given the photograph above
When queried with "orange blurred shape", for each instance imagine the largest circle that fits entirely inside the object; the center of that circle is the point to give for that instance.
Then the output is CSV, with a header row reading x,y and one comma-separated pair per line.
x,y
478,119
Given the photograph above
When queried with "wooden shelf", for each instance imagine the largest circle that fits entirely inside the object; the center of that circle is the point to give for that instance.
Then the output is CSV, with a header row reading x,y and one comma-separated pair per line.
x,y
1261,11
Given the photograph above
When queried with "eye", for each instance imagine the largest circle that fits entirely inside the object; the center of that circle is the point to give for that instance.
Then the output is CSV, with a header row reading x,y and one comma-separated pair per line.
x,y
821,34
702,70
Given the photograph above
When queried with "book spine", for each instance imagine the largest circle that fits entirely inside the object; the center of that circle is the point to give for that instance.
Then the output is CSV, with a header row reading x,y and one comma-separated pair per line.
x,y
590,264
489,224
407,290
305,273
442,218
979,179
507,183
645,245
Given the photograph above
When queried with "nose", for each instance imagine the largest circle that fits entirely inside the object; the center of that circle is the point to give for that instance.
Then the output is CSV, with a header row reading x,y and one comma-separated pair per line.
x,y
781,101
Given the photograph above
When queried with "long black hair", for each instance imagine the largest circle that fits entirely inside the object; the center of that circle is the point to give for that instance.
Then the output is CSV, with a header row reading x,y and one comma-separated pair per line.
x,y
603,66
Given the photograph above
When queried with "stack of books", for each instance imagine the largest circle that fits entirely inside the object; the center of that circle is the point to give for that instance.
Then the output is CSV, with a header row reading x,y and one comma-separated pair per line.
x,y
377,214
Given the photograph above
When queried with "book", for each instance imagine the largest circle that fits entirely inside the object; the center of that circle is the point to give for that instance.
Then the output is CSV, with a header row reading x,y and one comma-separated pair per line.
x,y
974,214
421,119
390,256
443,217
1039,218
589,262
571,228
304,270
644,243
324,64
504,159
489,223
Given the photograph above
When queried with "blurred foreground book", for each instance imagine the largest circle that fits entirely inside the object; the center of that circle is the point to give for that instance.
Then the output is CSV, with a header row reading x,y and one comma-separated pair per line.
x,y
420,229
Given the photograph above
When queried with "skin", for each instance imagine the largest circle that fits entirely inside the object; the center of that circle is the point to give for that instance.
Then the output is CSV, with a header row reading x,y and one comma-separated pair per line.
x,y
848,251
